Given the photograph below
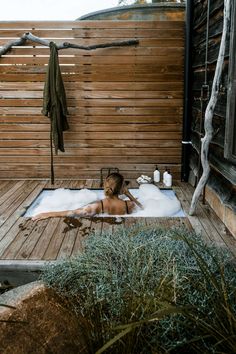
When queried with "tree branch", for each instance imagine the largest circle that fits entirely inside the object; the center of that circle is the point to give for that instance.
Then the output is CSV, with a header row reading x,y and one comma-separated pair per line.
x,y
29,36
210,111
7,47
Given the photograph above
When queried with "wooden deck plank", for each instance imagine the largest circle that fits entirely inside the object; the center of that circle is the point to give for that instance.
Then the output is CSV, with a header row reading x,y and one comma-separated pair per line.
x,y
106,227
11,215
16,200
55,241
31,241
193,220
56,234
25,239
82,232
222,237
227,239
5,186
61,245
209,227
25,234
169,222
39,242
70,231
28,238
43,242
11,227
131,221
10,194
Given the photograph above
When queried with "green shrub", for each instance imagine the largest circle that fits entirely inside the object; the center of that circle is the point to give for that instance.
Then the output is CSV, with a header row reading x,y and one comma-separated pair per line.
x,y
147,290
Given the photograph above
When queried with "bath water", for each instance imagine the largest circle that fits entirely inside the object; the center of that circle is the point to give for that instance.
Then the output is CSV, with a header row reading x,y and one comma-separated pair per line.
x,y
156,202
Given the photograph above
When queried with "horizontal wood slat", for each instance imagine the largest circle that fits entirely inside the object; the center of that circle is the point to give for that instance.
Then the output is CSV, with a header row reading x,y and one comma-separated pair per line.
x,y
102,59
92,135
139,50
94,148
99,33
106,111
98,86
155,119
97,94
87,159
93,128
27,25
143,42
125,104
171,102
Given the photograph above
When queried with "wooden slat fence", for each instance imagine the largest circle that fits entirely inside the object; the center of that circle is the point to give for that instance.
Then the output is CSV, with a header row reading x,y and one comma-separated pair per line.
x,y
125,104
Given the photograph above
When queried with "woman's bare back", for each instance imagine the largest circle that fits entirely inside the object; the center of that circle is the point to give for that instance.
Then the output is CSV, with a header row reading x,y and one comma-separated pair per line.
x,y
117,206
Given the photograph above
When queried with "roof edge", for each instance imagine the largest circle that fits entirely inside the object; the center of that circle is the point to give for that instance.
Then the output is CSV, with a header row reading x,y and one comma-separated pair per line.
x,y
131,7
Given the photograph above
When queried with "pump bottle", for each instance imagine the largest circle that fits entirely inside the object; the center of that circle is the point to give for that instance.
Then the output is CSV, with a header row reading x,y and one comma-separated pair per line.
x,y
168,179
164,176
156,175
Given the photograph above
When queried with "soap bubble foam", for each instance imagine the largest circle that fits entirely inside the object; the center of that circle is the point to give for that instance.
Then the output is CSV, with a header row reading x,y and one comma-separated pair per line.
x,y
155,202
65,199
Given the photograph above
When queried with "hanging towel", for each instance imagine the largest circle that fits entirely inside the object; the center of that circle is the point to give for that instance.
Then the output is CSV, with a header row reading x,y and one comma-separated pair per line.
x,y
54,100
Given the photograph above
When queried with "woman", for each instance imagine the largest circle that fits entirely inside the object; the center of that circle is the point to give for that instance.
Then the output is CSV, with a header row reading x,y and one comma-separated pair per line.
x,y
114,185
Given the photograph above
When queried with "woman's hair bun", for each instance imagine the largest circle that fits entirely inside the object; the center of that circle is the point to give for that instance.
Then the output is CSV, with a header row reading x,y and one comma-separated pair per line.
x,y
114,183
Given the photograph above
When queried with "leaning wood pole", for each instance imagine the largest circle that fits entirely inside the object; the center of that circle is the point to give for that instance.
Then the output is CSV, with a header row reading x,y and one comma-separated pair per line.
x,y
210,111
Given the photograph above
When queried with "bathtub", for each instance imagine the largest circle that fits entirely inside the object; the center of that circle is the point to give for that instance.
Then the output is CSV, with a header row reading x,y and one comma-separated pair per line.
x,y
50,200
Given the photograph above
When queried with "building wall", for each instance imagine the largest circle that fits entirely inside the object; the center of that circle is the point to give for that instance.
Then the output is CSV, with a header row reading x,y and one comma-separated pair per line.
x,y
222,181
125,104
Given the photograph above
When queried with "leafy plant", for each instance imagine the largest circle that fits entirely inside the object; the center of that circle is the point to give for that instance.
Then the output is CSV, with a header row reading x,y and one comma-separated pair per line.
x,y
147,290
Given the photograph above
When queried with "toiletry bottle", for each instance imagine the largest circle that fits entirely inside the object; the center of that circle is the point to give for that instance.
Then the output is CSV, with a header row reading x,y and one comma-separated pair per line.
x,y
164,176
156,175
168,179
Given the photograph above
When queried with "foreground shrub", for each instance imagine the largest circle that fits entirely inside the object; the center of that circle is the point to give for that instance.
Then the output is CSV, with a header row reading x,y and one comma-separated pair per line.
x,y
149,290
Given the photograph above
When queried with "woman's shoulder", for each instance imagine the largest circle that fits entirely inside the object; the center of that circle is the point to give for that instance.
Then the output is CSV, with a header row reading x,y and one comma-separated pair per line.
x,y
130,206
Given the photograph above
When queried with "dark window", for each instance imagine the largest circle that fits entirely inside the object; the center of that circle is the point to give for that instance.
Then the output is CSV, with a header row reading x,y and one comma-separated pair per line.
x,y
230,131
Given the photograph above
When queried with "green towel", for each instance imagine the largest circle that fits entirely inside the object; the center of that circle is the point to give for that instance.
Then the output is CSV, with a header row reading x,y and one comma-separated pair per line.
x,y
54,99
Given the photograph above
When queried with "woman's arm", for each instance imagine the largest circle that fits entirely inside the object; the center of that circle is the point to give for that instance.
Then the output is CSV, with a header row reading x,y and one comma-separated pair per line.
x,y
131,197
88,210
53,214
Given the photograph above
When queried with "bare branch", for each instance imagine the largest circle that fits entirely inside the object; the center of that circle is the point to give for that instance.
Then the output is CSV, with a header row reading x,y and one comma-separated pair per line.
x,y
7,47
210,111
29,36
102,45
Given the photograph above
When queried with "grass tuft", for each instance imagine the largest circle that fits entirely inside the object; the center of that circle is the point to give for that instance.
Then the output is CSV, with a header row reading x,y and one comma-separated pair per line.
x,y
149,290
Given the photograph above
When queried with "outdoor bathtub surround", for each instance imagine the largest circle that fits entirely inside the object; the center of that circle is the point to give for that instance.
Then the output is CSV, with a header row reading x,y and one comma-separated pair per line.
x,y
156,203
147,290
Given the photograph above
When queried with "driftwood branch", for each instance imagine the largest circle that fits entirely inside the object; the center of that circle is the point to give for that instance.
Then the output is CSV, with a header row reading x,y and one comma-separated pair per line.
x,y
210,111
7,47
29,36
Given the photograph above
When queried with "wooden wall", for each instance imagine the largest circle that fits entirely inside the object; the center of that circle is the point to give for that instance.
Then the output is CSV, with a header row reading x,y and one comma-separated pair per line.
x,y
223,172
125,104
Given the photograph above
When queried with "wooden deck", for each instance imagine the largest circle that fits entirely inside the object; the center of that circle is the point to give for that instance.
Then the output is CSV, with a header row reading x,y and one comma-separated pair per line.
x,y
22,240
